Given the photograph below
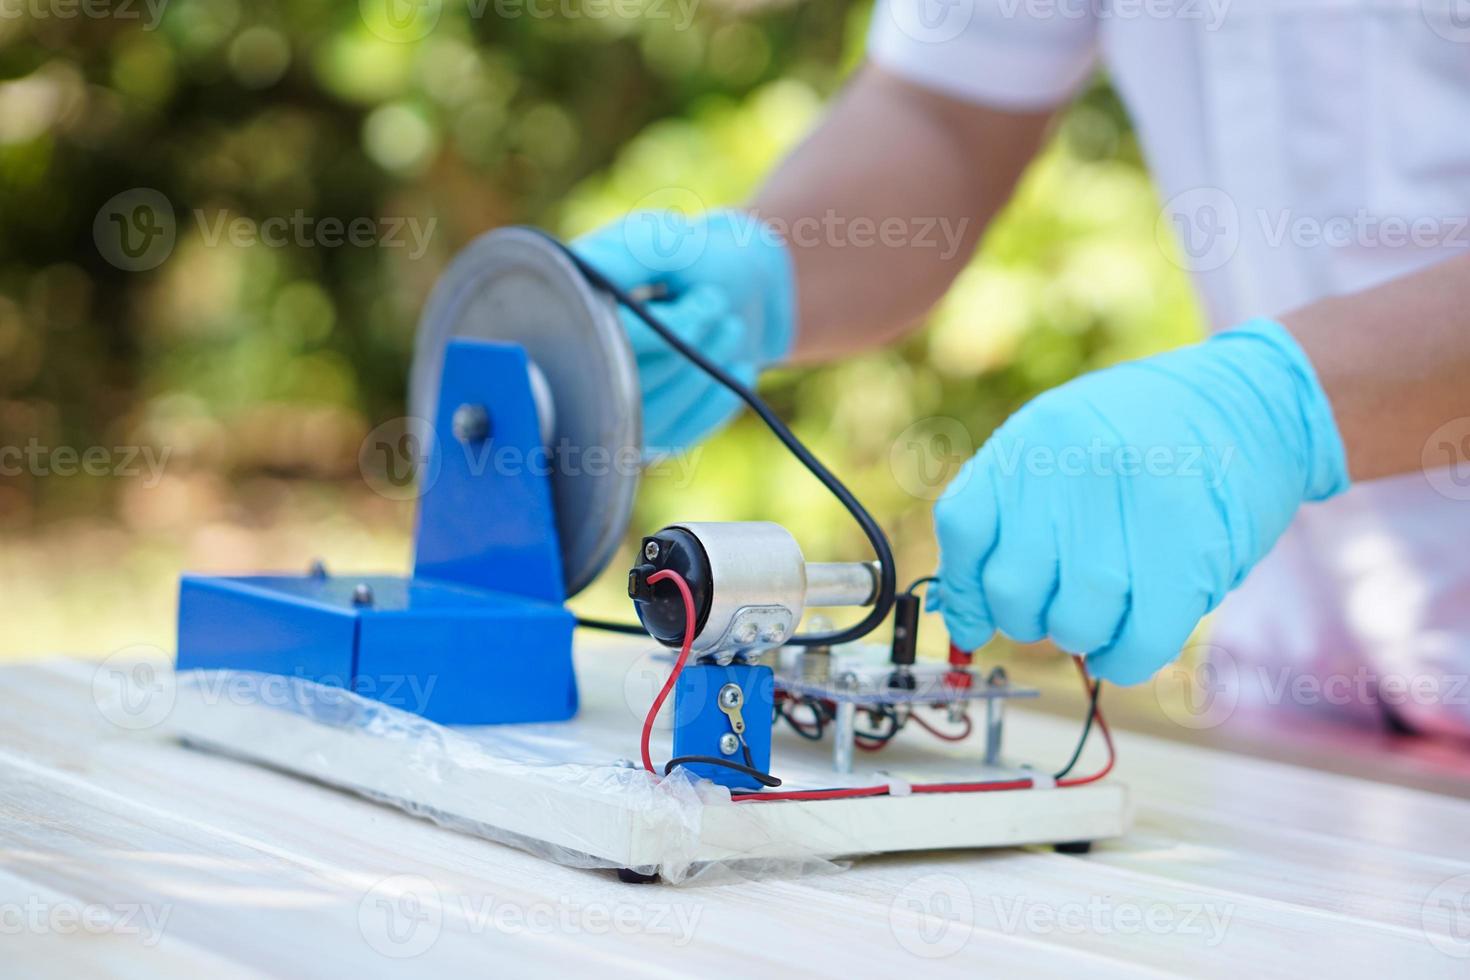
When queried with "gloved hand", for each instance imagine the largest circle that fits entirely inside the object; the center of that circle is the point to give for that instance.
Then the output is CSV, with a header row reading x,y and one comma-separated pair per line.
x,y
730,292
1110,514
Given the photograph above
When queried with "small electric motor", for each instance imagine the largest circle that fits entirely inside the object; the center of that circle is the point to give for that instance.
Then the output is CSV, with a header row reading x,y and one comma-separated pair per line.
x,y
750,584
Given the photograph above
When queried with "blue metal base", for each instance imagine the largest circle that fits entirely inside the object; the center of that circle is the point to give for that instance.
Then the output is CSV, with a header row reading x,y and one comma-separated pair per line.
x,y
699,723
478,635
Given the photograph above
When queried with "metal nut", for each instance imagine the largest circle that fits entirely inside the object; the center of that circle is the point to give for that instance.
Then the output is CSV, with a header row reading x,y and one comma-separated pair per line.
x,y
729,744
471,423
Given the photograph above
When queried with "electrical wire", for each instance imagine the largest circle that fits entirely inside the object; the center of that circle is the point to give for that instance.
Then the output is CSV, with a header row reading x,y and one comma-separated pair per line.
x,y
854,792
887,585
632,629
916,583
1096,687
690,619
959,736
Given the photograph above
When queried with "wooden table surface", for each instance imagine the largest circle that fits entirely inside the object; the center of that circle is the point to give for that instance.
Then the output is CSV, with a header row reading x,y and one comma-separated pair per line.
x,y
126,854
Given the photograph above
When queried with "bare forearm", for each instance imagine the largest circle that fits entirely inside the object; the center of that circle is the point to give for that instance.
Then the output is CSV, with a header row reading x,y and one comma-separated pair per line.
x,y
1395,363
883,205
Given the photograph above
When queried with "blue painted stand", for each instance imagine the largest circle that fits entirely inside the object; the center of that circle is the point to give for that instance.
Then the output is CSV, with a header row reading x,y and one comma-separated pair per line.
x,y
699,723
479,634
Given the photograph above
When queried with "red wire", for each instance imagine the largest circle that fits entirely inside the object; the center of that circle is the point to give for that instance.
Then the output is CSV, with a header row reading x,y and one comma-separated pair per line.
x,y
690,618
991,787
959,737
1102,727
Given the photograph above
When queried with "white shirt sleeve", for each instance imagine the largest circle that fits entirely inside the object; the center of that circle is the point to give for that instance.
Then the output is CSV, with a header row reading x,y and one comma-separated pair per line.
x,y
1011,54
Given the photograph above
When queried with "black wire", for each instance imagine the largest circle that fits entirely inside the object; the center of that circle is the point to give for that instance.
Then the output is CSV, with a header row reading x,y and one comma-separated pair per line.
x,y
801,729
1086,731
633,629
895,725
926,580
887,585
764,778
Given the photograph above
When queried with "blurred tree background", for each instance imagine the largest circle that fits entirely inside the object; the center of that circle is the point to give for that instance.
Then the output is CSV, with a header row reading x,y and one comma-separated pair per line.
x,y
250,372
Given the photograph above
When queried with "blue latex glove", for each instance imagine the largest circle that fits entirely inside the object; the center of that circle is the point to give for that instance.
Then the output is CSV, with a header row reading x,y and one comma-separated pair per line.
x,y
1113,512
730,292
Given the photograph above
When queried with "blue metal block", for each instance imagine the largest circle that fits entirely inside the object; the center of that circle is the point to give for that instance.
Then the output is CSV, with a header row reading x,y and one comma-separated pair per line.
x,y
479,634
699,723
454,655
487,519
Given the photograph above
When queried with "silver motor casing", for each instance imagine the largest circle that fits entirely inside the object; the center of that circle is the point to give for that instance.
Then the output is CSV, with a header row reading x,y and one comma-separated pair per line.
x,y
757,585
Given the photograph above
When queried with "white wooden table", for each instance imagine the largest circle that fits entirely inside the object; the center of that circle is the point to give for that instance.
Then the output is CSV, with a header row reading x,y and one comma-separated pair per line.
x,y
122,853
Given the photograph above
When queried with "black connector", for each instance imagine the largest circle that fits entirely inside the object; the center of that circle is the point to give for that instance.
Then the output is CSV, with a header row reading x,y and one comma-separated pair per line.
x,y
905,641
660,606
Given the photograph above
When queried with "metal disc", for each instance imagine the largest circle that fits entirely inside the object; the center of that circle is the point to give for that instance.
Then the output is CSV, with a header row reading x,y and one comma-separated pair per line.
x,y
514,285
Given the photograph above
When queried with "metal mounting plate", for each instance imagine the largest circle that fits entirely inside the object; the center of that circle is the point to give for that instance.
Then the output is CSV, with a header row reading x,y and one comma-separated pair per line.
x,y
516,286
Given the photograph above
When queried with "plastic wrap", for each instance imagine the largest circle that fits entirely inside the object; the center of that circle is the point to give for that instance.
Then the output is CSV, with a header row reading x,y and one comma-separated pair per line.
x,y
552,790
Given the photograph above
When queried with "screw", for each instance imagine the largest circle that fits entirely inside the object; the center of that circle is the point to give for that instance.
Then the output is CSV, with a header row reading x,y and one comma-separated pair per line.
x,y
471,423
774,633
362,594
745,633
731,696
997,677
318,568
650,550
729,744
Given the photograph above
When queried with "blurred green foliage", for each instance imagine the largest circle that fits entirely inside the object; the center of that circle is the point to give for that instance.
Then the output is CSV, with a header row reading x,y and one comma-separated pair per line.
x,y
260,368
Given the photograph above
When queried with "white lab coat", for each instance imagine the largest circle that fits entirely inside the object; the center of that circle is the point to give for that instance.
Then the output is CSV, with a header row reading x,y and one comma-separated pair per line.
x,y
1304,148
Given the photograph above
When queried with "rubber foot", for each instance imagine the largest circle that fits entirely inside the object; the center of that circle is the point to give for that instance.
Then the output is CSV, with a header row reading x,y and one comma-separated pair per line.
x,y
630,877
1074,847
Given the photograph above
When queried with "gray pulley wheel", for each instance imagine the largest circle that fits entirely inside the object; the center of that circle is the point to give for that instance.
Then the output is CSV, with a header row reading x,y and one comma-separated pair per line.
x,y
514,285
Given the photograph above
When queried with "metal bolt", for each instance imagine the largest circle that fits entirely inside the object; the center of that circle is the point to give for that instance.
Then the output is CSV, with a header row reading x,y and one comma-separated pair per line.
x,y
471,423
650,550
362,594
745,633
774,633
729,744
731,696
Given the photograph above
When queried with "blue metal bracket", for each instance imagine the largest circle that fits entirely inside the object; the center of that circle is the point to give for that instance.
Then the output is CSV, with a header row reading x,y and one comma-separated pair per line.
x,y
479,634
700,725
